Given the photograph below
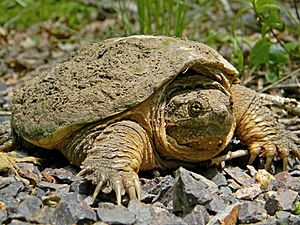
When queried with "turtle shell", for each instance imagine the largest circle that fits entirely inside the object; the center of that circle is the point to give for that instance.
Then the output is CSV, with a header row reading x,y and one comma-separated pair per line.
x,y
105,79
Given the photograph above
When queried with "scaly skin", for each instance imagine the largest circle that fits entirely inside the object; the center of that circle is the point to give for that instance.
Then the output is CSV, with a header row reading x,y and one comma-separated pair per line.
x,y
258,127
115,158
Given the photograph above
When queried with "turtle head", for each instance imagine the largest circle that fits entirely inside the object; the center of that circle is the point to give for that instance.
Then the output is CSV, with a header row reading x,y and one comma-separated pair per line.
x,y
197,124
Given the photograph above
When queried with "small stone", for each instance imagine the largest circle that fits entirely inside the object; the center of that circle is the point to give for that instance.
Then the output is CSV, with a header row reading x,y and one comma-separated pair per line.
x,y
115,214
28,207
10,186
252,212
239,176
216,205
52,186
60,189
38,192
286,199
294,220
249,192
72,209
81,186
282,215
164,217
233,185
143,213
198,216
225,192
69,197
191,189
270,221
285,180
220,180
11,203
271,204
252,170
159,189
43,215
64,175
23,195
228,216
265,179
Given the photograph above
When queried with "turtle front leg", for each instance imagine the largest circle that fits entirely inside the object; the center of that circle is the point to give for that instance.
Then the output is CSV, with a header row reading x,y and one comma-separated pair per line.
x,y
116,156
258,127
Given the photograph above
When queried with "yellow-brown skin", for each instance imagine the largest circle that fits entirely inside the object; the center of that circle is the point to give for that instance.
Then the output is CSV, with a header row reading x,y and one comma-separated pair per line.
x,y
177,127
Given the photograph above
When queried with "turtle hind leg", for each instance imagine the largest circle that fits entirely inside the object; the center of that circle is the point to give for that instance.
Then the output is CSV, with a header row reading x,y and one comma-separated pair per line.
x,y
258,127
116,156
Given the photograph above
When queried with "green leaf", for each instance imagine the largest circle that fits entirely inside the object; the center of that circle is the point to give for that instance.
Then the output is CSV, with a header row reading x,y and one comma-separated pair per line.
x,y
260,53
278,55
266,5
273,73
293,47
297,210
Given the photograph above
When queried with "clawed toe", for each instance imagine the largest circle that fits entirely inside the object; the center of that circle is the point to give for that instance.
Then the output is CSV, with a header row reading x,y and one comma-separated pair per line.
x,y
118,181
270,151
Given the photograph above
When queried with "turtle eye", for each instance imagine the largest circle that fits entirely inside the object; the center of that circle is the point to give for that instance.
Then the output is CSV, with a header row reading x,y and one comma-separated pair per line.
x,y
195,109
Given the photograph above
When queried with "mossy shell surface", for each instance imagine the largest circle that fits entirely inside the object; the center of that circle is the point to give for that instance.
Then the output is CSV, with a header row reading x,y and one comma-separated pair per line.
x,y
105,79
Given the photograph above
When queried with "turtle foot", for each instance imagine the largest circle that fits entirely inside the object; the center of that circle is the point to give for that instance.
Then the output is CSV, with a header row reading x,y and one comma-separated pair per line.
x,y
108,179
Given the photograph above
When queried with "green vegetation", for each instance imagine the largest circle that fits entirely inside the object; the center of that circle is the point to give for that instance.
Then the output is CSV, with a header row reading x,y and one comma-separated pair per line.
x,y
260,36
268,51
297,208
22,13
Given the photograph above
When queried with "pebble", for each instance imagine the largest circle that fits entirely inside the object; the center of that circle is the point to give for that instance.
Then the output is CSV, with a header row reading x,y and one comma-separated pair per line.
x,y
286,199
194,199
228,216
198,216
27,208
160,190
239,176
112,214
10,186
72,210
249,192
251,212
216,205
191,189
143,212
220,180
285,180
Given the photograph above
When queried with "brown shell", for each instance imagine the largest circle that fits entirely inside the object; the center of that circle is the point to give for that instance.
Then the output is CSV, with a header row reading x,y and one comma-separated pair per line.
x,y
104,79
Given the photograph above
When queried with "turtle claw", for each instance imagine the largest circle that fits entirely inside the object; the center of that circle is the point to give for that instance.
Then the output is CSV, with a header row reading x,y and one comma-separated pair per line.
x,y
132,193
117,189
268,163
285,163
108,179
252,158
82,172
138,188
98,189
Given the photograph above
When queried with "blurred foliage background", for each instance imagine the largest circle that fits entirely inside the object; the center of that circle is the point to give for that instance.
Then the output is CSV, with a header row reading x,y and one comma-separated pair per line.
x,y
260,37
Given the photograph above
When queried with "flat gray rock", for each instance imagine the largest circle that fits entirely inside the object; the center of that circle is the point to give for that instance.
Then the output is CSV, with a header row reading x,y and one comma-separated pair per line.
x,y
191,189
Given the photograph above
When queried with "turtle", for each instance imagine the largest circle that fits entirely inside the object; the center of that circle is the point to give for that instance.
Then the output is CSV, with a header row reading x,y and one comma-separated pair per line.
x,y
143,102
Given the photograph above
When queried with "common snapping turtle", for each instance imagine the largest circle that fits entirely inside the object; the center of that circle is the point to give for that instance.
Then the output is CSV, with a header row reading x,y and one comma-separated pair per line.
x,y
142,102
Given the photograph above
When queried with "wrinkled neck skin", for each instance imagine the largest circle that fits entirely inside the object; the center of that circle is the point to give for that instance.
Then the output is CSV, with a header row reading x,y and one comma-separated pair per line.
x,y
181,139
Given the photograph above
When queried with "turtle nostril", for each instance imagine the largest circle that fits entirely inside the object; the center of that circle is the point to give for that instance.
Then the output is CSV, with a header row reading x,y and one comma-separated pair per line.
x,y
222,111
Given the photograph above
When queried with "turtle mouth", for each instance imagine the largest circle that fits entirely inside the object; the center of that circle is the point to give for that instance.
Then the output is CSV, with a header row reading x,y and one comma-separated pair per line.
x,y
200,143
